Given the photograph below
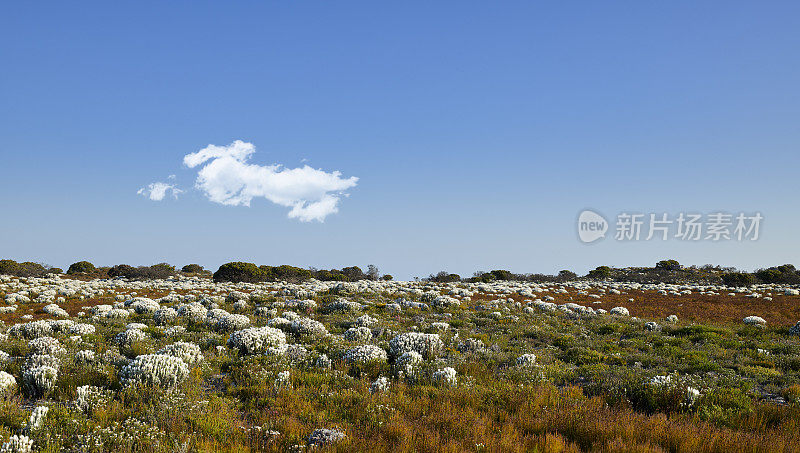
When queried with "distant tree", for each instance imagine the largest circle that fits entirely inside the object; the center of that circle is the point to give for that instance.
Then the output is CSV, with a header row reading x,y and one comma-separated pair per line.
x,y
444,277
373,272
286,273
157,271
738,279
239,272
353,273
24,269
81,267
779,274
500,274
600,273
567,275
387,277
121,270
192,269
669,265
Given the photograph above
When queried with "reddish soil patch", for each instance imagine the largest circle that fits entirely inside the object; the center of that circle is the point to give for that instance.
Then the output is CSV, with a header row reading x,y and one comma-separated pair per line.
x,y
723,309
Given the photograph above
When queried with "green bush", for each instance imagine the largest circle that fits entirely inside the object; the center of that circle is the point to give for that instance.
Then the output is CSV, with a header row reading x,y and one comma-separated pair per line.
x,y
192,269
670,265
567,275
121,270
156,271
600,273
81,267
583,356
738,279
286,273
240,272
779,274
24,269
444,277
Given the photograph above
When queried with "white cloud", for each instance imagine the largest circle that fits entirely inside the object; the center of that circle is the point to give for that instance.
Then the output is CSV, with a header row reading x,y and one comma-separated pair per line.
x,y
158,190
226,177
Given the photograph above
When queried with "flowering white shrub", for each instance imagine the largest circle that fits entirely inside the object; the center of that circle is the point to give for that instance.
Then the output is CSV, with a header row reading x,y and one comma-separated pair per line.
x,y
380,385
55,310
84,356
17,444
755,321
323,361
324,436
76,328
365,321
194,312
46,346
174,331
365,354
283,381
143,305
444,302
440,326
280,323
290,315
471,345
30,330
620,311
129,336
427,344
526,360
652,326
265,312
101,309
408,364
188,352
307,305
358,334
117,313
692,395
232,322
36,419
672,319
659,381
7,381
89,397
155,369
343,305
165,315
308,326
39,380
295,353
256,339
445,376
36,360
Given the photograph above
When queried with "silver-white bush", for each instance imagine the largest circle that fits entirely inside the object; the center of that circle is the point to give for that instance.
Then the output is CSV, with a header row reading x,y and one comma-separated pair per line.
x,y
365,354
40,380
155,369
256,339
426,344
188,352
17,444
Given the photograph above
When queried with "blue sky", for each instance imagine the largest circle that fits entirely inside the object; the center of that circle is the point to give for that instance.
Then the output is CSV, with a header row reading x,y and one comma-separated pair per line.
x,y
477,130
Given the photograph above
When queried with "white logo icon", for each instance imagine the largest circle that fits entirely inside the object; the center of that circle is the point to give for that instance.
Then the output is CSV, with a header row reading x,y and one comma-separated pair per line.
x,y
591,226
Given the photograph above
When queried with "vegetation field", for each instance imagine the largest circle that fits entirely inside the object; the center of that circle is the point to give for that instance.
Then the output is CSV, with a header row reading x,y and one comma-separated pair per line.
x,y
185,363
